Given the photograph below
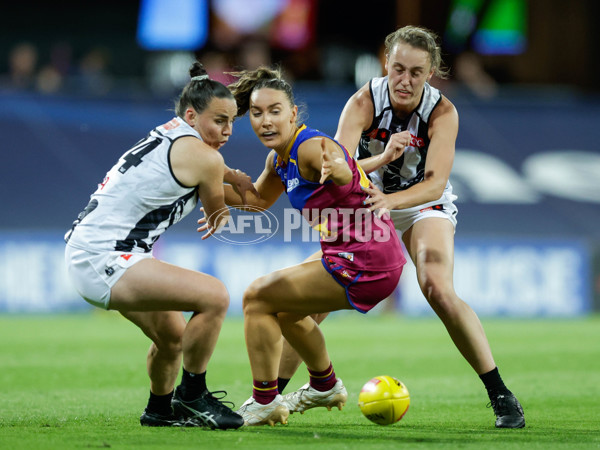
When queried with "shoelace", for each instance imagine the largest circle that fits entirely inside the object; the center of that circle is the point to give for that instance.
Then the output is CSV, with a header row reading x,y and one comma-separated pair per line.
x,y
299,393
245,406
217,400
500,405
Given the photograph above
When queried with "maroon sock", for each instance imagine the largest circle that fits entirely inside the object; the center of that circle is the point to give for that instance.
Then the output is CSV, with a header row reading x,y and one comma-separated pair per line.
x,y
323,381
264,392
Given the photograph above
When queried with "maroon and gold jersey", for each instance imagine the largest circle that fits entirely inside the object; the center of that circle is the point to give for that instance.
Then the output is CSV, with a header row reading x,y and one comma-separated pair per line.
x,y
350,234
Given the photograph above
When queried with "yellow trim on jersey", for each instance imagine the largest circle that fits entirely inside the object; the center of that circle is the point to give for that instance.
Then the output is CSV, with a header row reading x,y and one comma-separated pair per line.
x,y
286,154
364,180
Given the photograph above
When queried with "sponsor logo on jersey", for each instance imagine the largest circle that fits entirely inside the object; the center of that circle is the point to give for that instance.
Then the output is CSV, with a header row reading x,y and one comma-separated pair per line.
x,y
416,141
292,184
126,256
433,208
173,123
383,135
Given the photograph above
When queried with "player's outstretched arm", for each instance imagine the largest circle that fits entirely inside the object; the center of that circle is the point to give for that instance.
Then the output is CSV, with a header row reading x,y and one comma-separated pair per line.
x,y
333,164
267,189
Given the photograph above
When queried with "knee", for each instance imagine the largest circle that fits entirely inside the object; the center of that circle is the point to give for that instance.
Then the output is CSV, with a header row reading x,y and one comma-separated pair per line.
x,y
432,289
169,341
290,321
253,295
440,295
219,302
295,325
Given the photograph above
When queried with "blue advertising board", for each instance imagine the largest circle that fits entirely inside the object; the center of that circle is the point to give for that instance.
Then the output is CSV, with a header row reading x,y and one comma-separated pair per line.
x,y
496,276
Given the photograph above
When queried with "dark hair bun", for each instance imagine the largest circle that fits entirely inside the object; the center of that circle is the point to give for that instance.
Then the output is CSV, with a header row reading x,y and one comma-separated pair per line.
x,y
197,69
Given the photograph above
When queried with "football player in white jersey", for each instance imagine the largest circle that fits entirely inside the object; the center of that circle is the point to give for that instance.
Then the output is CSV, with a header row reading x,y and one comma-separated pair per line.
x,y
109,250
403,111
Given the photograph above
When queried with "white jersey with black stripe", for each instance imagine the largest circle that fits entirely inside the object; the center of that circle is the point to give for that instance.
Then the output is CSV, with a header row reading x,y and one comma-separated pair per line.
x,y
409,169
138,199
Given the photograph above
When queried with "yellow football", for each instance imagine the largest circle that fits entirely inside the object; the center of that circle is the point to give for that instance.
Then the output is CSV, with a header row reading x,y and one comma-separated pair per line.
x,y
384,400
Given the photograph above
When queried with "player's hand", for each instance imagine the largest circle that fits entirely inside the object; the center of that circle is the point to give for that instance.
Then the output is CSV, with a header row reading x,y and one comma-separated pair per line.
x,y
377,201
242,183
331,162
395,146
205,225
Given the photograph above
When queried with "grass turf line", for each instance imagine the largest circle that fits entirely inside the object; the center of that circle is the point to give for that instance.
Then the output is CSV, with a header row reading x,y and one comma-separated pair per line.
x,y
79,381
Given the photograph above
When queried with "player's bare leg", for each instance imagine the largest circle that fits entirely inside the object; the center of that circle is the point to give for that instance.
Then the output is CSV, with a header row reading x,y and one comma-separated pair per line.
x,y
430,243
165,330
290,360
302,289
296,329
299,290
152,285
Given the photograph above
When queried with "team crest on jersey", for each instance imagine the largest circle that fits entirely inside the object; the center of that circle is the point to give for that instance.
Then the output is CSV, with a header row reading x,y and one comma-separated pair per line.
x,y
381,134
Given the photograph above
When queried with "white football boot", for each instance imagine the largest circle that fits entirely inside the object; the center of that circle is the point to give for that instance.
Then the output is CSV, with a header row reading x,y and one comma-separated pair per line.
x,y
308,397
254,413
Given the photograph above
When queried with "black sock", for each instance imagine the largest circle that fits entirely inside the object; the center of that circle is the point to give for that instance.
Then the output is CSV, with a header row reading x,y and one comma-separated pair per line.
x,y
493,382
160,404
282,383
193,385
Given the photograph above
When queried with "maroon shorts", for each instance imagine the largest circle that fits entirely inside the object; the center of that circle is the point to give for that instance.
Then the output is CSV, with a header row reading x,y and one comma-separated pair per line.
x,y
364,289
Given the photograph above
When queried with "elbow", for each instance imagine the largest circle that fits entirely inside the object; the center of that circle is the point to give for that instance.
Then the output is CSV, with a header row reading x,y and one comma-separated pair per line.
x,y
437,190
437,185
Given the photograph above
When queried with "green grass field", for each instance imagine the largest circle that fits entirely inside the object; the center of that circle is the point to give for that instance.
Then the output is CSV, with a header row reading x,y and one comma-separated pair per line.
x,y
79,381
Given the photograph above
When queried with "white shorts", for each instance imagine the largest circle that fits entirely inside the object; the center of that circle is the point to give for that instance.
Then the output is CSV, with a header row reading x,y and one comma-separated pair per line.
x,y
94,274
445,208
